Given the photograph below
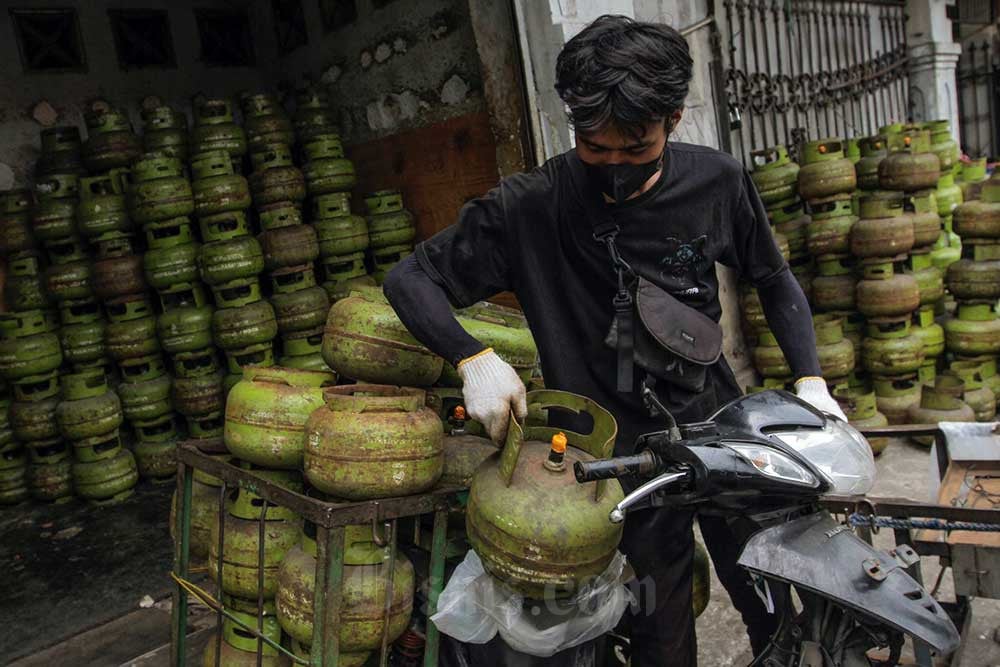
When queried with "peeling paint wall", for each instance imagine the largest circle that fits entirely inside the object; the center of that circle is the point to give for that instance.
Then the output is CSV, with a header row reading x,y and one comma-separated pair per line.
x,y
400,65
33,101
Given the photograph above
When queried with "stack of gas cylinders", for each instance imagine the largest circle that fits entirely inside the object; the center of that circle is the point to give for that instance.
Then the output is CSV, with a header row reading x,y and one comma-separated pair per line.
x,y
887,267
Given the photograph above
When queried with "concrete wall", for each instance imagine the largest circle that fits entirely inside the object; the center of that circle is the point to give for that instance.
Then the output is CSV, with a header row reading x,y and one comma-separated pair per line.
x,y
69,93
399,65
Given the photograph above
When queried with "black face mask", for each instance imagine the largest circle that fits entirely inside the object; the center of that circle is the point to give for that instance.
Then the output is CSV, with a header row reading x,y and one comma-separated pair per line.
x,y
621,181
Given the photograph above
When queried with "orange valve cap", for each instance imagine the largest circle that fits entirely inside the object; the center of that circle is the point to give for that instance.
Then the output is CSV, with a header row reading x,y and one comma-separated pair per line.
x,y
559,443
459,412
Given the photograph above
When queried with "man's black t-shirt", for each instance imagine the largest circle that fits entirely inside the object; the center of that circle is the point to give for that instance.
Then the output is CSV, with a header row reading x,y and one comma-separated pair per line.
x,y
531,235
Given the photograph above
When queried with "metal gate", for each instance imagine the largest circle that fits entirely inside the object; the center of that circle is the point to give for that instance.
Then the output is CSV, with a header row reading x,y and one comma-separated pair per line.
x,y
977,90
796,70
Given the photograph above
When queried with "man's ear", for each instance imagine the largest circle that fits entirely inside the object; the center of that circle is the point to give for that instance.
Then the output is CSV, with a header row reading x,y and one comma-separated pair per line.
x,y
674,120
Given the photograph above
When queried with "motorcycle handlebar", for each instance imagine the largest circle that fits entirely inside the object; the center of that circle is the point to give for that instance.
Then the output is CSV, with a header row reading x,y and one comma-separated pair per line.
x,y
618,466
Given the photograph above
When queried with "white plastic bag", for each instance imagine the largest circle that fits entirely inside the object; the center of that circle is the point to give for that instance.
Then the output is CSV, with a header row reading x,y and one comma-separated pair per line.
x,y
474,607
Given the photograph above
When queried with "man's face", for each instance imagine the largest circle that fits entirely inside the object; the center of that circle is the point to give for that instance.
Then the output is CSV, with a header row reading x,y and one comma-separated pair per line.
x,y
610,145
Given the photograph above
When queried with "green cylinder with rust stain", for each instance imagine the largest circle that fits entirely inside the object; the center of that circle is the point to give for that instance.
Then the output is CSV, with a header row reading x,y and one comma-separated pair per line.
x,y
975,330
89,408
977,220
362,620
217,189
524,500
156,460
266,414
910,164
365,341
289,246
238,647
327,168
145,400
389,224
204,511
110,141
873,151
159,190
239,570
303,350
24,287
503,329
970,279
186,329
131,334
54,216
235,328
940,403
313,116
51,482
215,130
278,215
894,396
69,281
829,232
977,395
275,177
266,122
768,358
303,310
338,230
233,259
27,348
825,170
15,221
836,353
198,395
107,481
898,355
373,441
860,407
33,421
774,174
13,481
165,131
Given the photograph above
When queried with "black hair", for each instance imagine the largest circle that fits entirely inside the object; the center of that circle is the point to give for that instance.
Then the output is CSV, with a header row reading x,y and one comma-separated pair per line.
x,y
623,72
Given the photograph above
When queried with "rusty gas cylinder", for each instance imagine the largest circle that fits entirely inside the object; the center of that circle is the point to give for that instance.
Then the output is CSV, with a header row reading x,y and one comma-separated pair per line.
x,y
266,414
825,171
373,441
883,230
910,164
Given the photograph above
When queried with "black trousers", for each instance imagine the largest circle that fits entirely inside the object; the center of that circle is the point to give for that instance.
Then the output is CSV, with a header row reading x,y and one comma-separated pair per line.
x,y
659,544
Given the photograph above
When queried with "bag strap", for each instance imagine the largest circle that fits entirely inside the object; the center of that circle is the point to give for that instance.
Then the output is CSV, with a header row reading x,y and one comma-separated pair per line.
x,y
605,233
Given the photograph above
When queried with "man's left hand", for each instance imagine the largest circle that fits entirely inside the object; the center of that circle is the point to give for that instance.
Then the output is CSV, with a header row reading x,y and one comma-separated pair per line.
x,y
813,391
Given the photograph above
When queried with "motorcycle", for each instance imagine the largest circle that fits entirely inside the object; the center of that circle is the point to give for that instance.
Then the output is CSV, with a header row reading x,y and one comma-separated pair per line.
x,y
769,457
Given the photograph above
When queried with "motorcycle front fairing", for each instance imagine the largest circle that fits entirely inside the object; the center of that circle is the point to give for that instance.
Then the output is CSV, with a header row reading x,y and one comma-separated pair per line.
x,y
816,553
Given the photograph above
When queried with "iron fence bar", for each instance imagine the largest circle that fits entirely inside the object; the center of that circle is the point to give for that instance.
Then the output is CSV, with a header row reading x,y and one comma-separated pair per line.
x,y
990,75
746,68
182,546
902,80
870,57
773,83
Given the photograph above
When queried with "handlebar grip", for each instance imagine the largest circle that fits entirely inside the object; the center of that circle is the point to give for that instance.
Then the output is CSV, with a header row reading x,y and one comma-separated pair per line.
x,y
618,466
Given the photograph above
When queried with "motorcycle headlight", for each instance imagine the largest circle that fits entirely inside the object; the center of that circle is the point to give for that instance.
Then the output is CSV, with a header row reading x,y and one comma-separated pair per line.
x,y
839,452
773,463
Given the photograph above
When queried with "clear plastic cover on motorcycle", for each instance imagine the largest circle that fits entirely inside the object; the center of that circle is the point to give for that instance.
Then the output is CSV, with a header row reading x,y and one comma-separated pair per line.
x,y
839,451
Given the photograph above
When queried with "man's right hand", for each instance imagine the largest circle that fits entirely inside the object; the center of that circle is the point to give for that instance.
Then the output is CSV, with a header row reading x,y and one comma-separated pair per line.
x,y
492,390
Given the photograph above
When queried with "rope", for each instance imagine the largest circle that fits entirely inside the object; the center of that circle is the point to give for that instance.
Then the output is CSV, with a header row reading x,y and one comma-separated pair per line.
x,y
857,520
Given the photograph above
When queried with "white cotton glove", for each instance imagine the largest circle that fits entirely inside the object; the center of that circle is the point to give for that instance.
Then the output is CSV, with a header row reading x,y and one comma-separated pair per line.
x,y
813,391
492,390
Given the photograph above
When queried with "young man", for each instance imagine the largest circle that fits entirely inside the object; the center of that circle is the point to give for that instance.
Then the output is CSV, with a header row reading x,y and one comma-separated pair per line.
x,y
672,211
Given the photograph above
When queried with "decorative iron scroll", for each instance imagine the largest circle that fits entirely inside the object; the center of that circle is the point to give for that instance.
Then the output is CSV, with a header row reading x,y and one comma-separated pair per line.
x,y
812,68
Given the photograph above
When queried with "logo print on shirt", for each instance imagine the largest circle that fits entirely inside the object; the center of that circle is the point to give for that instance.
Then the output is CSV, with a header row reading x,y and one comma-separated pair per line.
x,y
684,257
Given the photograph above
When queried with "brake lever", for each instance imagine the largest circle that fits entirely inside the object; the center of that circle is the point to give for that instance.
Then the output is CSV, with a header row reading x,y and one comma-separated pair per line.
x,y
617,515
